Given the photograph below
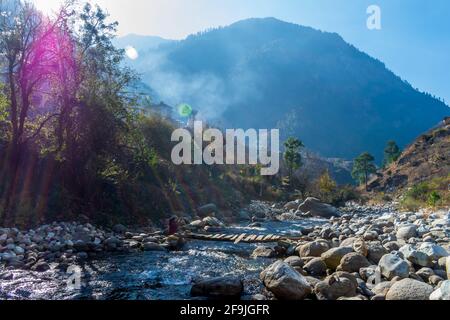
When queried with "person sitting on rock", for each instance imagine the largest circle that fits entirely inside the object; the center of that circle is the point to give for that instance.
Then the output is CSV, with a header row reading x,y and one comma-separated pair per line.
x,y
173,226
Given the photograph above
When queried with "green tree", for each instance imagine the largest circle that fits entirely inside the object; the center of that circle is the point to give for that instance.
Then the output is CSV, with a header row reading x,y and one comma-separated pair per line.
x,y
363,166
292,155
326,185
391,153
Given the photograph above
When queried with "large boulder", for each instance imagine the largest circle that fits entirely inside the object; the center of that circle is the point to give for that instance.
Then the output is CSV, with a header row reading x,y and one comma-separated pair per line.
x,y
221,287
333,257
284,282
264,252
293,205
340,284
112,243
316,208
352,262
447,267
409,289
433,251
360,246
442,293
382,288
212,222
417,258
295,262
407,232
313,249
152,246
316,267
375,252
392,265
40,266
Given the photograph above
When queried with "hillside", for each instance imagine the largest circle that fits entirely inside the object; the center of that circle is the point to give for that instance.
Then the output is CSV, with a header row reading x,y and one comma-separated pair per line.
x,y
311,84
427,158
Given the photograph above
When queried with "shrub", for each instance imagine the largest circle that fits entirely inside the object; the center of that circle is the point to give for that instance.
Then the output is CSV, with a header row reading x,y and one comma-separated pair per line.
x,y
434,198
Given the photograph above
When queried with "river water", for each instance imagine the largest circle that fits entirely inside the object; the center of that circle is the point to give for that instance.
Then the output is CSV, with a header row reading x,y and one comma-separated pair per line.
x,y
152,275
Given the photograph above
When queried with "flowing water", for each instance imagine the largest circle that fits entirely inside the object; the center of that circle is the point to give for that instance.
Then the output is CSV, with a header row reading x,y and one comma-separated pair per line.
x,y
152,275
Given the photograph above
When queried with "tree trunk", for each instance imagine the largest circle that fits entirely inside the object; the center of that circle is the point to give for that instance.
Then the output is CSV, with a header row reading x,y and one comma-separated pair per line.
x,y
13,180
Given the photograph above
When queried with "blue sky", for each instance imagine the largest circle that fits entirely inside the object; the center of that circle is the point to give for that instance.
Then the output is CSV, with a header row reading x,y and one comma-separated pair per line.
x,y
414,40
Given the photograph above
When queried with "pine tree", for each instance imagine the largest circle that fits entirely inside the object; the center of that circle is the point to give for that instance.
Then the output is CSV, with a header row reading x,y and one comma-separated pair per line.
x,y
391,153
363,166
292,155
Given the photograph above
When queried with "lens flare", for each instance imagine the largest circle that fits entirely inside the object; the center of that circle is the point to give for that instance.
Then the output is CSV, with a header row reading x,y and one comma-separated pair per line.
x,y
184,110
131,53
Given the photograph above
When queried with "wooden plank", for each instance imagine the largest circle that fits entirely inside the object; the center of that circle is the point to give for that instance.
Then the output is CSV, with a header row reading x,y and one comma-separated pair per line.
x,y
252,238
229,237
260,238
234,237
248,239
216,236
221,236
240,238
269,236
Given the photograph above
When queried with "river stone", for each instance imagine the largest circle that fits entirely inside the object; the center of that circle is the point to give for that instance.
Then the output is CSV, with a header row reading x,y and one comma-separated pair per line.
x,y
370,235
197,224
340,284
407,232
212,222
221,287
409,289
284,282
442,293
348,242
112,243
41,266
392,246
313,249
448,267
19,250
425,273
315,208
352,262
382,288
151,246
360,246
433,251
295,262
316,267
332,257
293,205
375,252
263,252
417,258
392,265
366,273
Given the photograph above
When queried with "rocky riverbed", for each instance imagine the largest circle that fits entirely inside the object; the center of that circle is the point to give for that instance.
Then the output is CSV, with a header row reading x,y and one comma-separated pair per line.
x,y
356,253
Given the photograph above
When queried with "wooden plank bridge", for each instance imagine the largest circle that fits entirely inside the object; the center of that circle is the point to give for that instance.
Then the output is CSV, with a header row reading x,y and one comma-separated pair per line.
x,y
238,238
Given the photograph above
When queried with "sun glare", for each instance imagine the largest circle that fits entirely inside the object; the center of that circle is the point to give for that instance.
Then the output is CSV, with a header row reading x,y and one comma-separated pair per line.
x,y
131,53
48,7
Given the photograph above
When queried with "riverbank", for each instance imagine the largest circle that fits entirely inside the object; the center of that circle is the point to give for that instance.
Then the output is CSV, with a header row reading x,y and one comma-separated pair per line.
x,y
364,253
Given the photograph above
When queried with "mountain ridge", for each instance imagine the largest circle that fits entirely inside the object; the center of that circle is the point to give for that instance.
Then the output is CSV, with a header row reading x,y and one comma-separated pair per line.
x,y
262,72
